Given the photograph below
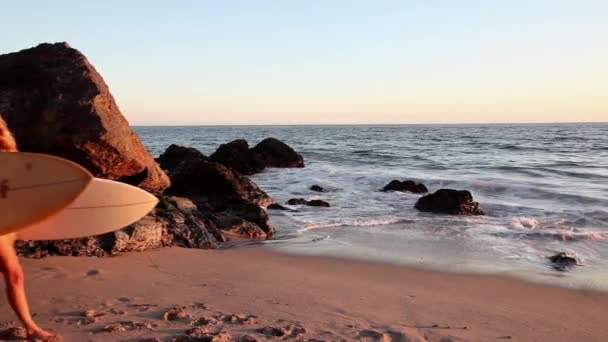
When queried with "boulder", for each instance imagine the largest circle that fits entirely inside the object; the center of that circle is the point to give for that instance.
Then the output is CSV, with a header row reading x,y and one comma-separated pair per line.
x,y
55,102
175,154
449,201
406,186
236,155
270,152
226,199
273,152
276,206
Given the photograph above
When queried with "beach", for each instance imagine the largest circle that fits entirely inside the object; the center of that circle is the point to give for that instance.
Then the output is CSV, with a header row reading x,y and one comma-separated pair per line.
x,y
239,291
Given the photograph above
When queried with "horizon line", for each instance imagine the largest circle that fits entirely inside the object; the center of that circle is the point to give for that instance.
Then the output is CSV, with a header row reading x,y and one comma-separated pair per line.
x,y
376,124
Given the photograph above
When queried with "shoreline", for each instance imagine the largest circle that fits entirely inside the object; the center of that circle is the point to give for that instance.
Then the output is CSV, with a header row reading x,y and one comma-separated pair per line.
x,y
330,298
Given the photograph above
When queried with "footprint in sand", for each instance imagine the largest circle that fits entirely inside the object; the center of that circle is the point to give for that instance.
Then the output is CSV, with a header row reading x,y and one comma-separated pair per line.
x,y
92,273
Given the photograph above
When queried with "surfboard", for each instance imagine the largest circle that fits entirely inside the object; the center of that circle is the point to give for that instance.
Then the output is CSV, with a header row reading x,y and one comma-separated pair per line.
x,y
36,186
103,207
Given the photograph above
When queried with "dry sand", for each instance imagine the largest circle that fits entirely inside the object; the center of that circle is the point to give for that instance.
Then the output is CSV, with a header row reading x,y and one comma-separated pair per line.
x,y
240,291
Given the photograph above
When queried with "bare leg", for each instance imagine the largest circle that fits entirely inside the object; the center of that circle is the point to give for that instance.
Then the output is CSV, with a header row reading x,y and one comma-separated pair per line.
x,y
15,287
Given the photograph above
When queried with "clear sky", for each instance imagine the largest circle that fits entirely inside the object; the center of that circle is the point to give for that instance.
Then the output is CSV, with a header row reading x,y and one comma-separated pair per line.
x,y
329,61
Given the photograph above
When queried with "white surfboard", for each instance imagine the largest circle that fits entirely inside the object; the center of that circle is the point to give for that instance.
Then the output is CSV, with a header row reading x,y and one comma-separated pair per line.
x,y
36,186
103,207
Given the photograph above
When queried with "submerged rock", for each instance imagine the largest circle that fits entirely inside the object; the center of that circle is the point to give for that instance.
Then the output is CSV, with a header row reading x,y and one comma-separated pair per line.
x,y
317,188
270,152
563,261
312,203
55,102
276,206
406,186
449,201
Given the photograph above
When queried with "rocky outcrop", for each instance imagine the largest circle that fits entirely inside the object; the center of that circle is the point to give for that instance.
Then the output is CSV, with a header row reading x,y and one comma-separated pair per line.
x,y
449,201
55,102
311,203
406,186
175,222
226,199
270,152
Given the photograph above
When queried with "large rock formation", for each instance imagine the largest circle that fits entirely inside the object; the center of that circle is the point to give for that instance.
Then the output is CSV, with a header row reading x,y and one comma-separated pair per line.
x,y
269,152
232,202
449,201
55,102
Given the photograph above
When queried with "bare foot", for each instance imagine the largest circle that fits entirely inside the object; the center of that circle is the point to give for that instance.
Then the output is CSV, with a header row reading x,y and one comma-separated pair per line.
x,y
41,335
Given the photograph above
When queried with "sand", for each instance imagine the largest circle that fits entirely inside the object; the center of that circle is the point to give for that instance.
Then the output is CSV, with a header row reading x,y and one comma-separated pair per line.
x,y
240,292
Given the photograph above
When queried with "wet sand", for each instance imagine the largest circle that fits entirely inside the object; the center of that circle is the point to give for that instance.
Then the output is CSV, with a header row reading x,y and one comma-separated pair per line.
x,y
241,291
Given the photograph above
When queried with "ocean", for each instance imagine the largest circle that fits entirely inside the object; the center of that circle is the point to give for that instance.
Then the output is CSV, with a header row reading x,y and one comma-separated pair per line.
x,y
544,188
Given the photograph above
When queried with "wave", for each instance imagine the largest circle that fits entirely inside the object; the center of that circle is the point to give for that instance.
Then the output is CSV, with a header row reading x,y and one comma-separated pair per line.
x,y
554,229
355,223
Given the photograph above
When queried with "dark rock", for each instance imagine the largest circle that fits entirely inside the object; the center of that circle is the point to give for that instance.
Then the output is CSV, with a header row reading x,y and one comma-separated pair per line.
x,y
317,188
272,152
225,199
563,261
312,203
176,314
317,203
449,201
236,155
297,201
276,206
406,186
175,154
55,102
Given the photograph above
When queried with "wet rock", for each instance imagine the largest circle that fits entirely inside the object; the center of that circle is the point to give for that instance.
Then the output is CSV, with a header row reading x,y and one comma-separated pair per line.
x,y
55,102
312,203
270,152
293,331
175,154
317,188
276,206
246,338
240,318
236,155
563,261
449,201
406,186
297,201
317,203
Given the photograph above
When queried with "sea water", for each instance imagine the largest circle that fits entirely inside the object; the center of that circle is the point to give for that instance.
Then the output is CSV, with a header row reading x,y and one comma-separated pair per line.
x,y
544,188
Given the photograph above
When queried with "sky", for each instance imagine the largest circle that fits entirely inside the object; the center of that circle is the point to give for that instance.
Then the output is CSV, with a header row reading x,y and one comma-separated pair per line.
x,y
332,61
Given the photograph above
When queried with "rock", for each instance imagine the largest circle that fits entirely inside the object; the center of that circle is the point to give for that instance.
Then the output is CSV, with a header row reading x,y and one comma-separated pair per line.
x,y
202,335
312,203
236,155
297,201
318,203
276,206
175,154
176,314
449,201
246,338
317,188
563,261
55,102
406,186
270,152
14,333
225,200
